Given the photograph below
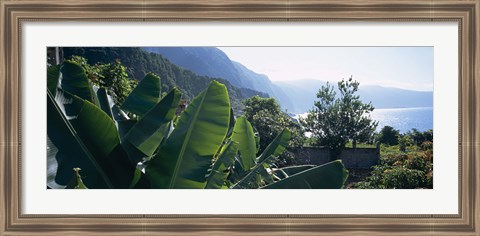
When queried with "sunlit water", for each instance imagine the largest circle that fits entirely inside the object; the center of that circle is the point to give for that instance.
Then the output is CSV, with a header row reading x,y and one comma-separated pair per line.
x,y
402,119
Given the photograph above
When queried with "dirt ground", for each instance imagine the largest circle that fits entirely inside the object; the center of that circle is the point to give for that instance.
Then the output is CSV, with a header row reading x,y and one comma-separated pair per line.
x,y
356,175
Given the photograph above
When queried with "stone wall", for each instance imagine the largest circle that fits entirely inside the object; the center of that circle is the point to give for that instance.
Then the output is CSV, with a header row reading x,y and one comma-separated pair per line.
x,y
358,158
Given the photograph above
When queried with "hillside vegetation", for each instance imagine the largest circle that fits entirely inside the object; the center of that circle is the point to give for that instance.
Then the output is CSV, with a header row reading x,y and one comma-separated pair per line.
x,y
139,62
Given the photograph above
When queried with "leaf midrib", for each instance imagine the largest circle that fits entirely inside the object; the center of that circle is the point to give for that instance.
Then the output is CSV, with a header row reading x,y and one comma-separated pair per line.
x,y
185,143
251,144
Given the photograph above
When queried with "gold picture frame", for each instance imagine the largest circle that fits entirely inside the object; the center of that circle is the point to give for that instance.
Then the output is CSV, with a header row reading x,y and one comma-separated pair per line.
x,y
13,13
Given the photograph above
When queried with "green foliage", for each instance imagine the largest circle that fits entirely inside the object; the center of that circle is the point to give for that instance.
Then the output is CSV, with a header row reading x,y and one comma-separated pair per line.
x,y
52,78
427,145
388,135
258,175
244,135
144,96
404,141
361,145
112,76
401,171
325,176
268,120
335,120
158,149
419,137
104,102
186,156
84,137
290,170
75,81
397,177
221,168
148,132
255,104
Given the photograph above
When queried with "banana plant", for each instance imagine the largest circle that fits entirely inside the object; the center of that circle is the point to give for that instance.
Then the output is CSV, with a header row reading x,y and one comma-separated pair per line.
x,y
152,147
186,156
221,169
256,174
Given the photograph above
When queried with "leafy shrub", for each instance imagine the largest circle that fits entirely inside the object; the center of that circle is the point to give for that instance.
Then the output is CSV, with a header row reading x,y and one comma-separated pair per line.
x,y
401,171
401,177
404,141
427,145
419,137
388,135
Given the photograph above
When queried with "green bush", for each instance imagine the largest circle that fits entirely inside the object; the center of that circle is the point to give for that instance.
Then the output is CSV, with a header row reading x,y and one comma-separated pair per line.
x,y
401,171
419,137
388,135
400,177
427,145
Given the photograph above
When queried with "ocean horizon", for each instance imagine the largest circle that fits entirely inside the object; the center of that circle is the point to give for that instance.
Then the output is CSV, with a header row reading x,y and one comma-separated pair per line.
x,y
402,119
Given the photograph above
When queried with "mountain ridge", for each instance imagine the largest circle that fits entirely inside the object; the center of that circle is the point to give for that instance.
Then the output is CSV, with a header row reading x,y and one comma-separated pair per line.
x,y
295,96
213,62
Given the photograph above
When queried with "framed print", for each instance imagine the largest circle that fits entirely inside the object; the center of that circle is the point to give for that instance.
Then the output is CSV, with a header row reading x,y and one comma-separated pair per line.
x,y
265,118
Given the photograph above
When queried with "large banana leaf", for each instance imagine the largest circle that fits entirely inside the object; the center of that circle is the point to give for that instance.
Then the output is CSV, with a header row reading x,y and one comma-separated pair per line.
x,y
290,170
53,72
123,122
185,157
244,135
227,139
97,133
328,176
231,125
217,177
65,151
254,176
75,81
53,159
104,102
149,131
124,125
277,146
145,96
265,175
118,114
119,168
95,128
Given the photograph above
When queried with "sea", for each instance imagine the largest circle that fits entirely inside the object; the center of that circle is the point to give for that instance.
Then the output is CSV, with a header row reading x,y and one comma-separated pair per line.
x,y
402,119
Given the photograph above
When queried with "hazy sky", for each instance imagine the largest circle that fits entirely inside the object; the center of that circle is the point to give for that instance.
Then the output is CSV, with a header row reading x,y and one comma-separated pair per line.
x,y
401,67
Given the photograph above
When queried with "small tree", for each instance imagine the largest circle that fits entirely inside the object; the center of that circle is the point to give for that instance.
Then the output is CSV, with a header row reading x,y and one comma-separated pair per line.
x,y
388,135
335,120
